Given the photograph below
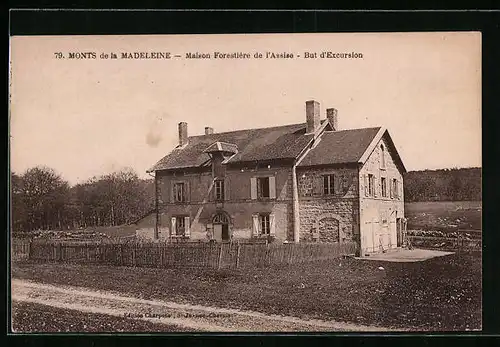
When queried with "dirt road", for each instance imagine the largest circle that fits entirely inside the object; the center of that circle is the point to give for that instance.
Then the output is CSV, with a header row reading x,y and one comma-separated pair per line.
x,y
195,317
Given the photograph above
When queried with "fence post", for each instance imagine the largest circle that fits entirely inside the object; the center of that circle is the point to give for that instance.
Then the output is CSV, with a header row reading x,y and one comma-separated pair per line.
x,y
134,254
268,260
238,255
59,246
30,255
220,256
161,254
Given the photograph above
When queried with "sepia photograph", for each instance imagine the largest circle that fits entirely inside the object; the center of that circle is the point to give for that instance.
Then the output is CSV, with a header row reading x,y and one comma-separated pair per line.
x,y
283,183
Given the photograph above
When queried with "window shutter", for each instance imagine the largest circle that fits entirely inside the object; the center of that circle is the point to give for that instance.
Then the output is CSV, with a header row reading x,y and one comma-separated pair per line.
x,y
172,230
172,192
338,184
211,191
375,186
397,189
391,189
318,188
253,187
255,225
272,229
366,184
187,192
272,187
187,227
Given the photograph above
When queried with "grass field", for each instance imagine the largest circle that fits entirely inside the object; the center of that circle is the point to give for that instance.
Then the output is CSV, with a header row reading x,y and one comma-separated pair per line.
x,y
30,317
440,294
444,215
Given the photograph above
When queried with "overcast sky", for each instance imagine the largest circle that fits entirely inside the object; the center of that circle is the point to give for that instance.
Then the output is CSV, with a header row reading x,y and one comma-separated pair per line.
x,y
92,116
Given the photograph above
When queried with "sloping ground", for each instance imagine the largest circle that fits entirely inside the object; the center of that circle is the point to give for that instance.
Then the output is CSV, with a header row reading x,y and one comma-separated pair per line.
x,y
439,294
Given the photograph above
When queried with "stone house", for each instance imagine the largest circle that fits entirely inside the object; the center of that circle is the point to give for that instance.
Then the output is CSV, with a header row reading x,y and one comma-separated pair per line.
x,y
307,182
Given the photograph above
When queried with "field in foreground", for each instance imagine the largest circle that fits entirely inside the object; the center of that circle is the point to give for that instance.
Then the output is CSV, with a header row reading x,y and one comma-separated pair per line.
x,y
30,317
439,294
444,215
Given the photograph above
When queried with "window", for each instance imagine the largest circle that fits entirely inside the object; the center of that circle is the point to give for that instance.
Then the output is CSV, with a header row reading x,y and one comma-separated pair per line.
x,y
219,190
395,188
179,192
382,157
383,182
371,185
329,184
180,227
263,187
264,223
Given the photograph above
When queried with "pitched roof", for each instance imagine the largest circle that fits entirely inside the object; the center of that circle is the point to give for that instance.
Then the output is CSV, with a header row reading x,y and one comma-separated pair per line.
x,y
281,142
340,147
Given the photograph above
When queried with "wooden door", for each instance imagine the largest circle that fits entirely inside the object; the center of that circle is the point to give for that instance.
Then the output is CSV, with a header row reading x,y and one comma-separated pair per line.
x,y
218,232
399,235
225,232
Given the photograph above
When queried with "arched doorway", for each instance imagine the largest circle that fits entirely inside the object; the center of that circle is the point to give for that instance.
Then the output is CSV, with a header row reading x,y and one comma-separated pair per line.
x,y
221,223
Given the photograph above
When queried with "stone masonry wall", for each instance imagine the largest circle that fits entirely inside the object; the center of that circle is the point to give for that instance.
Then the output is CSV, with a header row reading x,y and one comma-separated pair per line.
x,y
315,206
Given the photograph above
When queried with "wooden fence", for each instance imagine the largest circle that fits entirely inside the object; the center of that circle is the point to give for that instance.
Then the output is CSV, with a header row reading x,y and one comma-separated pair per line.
x,y
20,249
202,254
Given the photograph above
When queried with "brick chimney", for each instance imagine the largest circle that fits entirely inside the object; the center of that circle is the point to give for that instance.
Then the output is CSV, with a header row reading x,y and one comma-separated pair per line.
x,y
209,131
183,134
331,115
312,116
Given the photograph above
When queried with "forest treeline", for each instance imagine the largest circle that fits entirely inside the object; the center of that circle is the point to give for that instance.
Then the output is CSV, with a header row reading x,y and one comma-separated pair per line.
x,y
42,199
443,185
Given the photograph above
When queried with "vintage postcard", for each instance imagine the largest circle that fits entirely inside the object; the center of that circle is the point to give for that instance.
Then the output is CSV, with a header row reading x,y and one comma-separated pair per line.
x,y
246,183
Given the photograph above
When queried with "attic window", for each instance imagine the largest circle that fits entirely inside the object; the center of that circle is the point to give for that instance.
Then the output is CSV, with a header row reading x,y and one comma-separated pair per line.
x,y
382,157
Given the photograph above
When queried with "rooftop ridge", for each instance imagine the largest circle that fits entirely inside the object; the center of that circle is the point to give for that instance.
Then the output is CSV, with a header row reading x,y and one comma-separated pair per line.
x,y
354,129
250,129
279,127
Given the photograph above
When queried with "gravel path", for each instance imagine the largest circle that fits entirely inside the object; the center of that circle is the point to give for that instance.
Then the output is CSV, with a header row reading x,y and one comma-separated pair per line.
x,y
188,316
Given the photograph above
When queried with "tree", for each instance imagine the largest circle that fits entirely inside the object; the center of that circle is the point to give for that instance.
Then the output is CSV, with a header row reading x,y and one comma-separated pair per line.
x,y
41,199
18,209
44,195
